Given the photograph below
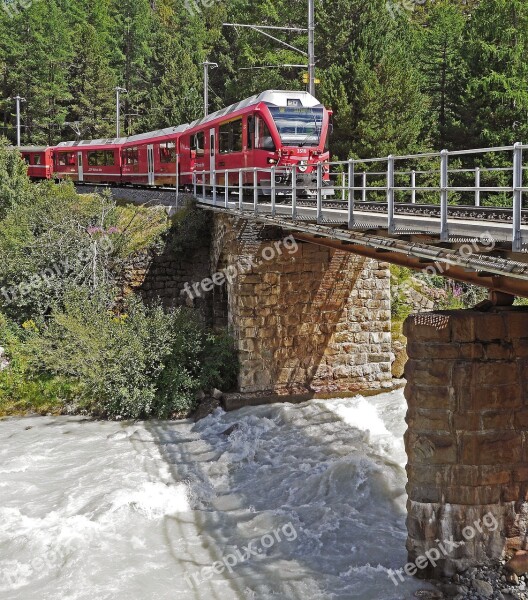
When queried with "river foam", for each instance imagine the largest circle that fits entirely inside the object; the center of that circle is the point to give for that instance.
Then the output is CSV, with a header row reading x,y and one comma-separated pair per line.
x,y
134,511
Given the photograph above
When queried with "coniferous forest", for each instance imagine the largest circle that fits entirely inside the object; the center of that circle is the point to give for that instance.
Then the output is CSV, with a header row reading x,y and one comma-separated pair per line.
x,y
400,75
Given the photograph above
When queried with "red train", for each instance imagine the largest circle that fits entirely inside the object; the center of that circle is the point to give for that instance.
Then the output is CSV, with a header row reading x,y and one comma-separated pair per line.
x,y
272,128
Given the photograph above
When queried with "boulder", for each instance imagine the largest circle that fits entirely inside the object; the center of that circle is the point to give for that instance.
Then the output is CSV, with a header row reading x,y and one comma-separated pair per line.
x,y
518,564
400,358
207,406
483,588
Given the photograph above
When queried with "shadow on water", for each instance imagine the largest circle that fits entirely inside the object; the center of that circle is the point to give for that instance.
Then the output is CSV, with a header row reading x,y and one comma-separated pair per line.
x,y
340,490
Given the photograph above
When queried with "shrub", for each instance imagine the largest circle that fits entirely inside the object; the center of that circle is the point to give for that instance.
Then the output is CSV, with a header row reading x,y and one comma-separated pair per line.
x,y
141,363
59,238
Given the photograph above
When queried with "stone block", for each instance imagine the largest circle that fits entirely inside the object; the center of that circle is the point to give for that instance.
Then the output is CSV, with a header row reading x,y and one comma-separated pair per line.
x,y
431,448
485,448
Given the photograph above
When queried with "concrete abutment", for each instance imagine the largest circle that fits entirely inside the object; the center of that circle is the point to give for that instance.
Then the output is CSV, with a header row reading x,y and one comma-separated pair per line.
x,y
467,437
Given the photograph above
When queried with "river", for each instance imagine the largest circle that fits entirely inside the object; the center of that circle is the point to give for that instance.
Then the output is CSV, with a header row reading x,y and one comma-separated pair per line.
x,y
299,502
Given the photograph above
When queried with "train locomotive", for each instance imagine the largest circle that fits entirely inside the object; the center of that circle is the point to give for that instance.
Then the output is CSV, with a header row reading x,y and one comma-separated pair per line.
x,y
280,129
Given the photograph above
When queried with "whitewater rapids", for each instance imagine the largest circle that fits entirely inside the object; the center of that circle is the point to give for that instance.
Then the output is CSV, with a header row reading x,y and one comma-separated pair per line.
x,y
94,510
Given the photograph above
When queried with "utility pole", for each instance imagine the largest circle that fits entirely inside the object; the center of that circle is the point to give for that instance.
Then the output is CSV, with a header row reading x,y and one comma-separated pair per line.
x,y
206,66
311,46
18,99
119,91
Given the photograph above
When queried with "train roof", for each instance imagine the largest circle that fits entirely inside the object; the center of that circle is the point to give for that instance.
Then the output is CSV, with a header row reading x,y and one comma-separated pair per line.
x,y
30,148
168,131
101,142
281,98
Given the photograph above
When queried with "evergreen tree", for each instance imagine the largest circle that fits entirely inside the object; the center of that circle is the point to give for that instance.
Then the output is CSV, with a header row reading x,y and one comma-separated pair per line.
x,y
497,48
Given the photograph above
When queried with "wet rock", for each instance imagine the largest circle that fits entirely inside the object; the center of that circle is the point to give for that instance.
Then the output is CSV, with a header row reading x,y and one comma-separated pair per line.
x,y
518,564
428,595
207,406
452,589
483,588
230,430
217,394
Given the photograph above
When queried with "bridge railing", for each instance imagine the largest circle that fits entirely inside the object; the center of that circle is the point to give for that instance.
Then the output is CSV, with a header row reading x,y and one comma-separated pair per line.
x,y
485,179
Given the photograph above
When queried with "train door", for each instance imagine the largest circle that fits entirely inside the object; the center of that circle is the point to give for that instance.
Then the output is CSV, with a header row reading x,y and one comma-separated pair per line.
x,y
80,166
150,164
212,153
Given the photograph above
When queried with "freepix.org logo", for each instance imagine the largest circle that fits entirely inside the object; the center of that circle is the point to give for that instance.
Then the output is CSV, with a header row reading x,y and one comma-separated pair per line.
x,y
400,7
194,7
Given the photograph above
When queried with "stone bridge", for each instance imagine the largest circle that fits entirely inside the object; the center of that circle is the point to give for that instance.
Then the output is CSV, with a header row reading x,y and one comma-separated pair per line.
x,y
307,320
305,292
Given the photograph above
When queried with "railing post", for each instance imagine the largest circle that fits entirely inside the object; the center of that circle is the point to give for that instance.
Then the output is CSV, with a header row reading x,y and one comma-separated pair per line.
x,y
390,194
351,190
364,187
273,190
444,195
517,196
477,186
294,192
319,193
213,183
241,190
204,191
255,190
195,184
177,180
413,186
226,184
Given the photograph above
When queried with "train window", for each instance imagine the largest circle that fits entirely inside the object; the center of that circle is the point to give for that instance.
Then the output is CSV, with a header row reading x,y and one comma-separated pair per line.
x,y
237,136
130,156
167,152
36,159
66,159
265,141
231,137
25,158
197,143
101,158
251,132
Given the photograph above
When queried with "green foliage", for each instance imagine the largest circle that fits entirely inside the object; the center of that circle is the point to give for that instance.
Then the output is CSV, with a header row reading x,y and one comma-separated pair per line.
x,y
22,390
449,73
139,363
14,182
53,238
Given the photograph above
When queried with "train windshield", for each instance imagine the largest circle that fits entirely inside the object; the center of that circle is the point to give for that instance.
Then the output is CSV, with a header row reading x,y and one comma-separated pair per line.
x,y
298,126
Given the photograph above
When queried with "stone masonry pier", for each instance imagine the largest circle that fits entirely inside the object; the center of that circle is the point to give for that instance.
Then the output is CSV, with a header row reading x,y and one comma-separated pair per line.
x,y
467,438
307,320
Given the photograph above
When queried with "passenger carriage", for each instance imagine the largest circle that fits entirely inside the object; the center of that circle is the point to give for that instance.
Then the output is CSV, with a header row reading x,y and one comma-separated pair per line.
x,y
39,160
89,161
151,159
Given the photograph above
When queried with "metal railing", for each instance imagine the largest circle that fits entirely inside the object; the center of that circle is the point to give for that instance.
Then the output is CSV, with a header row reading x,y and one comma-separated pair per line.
x,y
486,177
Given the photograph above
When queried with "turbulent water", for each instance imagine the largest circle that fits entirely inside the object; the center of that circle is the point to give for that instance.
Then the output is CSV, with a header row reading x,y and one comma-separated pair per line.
x,y
291,502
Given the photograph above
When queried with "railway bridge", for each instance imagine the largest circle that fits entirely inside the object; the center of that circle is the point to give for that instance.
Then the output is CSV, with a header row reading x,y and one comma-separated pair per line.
x,y
311,312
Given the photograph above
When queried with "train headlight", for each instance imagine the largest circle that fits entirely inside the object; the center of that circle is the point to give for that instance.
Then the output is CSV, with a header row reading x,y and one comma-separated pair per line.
x,y
303,165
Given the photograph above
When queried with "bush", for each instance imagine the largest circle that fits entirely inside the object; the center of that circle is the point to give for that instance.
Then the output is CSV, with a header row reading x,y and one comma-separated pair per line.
x,y
141,363
22,390
59,239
